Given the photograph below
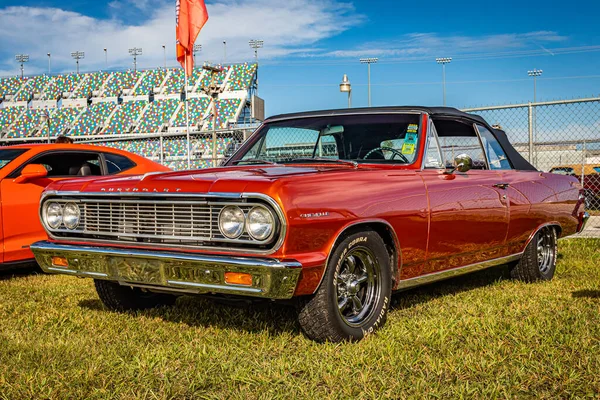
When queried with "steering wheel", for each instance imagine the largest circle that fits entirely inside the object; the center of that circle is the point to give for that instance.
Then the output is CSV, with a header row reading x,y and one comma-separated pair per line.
x,y
381,149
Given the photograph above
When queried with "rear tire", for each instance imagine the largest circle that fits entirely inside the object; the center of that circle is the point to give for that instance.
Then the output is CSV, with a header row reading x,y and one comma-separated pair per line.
x,y
354,296
124,298
538,262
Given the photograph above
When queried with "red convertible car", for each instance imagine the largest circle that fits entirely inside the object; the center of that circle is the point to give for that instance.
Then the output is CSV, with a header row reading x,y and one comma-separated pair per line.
x,y
336,209
25,170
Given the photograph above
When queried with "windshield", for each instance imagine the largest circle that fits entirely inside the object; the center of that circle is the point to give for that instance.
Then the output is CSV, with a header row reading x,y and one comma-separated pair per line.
x,y
375,138
7,155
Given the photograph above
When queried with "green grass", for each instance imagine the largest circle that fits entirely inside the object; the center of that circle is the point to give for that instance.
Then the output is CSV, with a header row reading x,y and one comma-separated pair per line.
x,y
477,336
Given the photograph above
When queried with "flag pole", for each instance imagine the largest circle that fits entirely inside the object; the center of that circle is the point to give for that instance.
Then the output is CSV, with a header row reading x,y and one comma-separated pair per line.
x,y
187,118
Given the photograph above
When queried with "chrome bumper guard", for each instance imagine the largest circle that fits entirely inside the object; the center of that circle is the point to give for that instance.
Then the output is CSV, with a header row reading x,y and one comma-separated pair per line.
x,y
583,219
172,272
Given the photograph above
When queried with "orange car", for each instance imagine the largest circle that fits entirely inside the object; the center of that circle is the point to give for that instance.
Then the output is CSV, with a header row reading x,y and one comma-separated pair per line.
x,y
25,170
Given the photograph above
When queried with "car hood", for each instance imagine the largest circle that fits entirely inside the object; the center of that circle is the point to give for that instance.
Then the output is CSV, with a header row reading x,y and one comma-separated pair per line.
x,y
213,180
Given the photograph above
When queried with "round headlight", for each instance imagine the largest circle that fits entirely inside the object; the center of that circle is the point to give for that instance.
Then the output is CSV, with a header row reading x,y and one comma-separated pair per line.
x,y
231,222
260,223
71,215
54,215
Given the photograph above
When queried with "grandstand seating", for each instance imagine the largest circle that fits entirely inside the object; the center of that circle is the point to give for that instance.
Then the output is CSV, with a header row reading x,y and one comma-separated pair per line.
x,y
119,81
61,84
159,112
218,78
226,111
8,115
25,124
174,82
91,118
147,147
10,86
241,76
151,79
91,83
34,84
125,116
197,110
60,119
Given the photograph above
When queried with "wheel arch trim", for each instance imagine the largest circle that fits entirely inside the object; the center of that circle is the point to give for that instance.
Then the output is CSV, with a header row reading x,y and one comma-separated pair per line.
x,y
539,228
396,269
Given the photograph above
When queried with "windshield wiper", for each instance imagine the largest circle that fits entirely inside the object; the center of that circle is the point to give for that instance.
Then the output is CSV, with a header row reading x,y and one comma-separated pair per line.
x,y
254,161
322,159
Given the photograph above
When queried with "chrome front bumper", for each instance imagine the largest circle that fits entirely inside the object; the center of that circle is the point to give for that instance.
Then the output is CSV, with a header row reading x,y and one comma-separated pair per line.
x,y
171,272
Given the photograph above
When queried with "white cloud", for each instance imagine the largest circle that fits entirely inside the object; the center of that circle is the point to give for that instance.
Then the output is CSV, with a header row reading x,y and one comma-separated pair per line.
x,y
287,27
427,44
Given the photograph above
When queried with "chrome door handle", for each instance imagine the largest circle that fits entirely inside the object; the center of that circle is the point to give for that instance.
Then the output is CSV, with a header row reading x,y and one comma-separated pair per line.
x,y
502,185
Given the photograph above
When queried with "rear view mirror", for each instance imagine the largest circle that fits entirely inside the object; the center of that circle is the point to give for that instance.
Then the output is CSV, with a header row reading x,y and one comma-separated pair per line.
x,y
332,130
31,172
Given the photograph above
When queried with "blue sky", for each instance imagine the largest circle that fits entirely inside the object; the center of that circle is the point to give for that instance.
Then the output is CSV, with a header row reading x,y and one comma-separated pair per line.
x,y
310,44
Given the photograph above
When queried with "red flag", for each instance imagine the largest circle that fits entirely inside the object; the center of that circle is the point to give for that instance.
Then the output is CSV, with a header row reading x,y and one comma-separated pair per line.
x,y
191,17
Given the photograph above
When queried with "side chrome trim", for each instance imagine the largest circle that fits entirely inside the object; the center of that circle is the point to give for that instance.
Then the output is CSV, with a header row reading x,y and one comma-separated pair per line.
x,y
451,273
539,228
362,222
250,195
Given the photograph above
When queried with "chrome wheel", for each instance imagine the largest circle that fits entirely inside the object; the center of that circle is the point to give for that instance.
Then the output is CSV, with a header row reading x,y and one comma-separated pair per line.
x,y
357,286
546,249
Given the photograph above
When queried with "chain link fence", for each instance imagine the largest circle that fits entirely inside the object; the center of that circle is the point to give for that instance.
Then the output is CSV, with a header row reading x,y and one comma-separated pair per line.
x,y
562,137
207,149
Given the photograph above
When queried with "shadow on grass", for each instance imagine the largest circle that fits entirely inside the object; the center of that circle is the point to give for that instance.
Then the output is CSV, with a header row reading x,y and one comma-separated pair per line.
x,y
592,294
19,272
412,297
278,318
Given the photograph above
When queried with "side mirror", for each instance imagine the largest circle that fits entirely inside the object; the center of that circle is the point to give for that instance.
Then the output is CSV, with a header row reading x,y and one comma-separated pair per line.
x,y
462,163
31,172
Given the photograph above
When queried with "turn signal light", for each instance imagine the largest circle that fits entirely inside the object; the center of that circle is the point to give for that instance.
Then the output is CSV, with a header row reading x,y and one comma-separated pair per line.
x,y
238,278
58,261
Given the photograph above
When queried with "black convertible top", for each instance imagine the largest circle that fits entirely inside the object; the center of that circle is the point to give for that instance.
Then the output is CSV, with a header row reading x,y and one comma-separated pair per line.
x,y
516,159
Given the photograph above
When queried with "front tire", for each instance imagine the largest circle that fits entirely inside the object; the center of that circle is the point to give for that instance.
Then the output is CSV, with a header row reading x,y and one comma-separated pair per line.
x,y
538,262
354,296
124,298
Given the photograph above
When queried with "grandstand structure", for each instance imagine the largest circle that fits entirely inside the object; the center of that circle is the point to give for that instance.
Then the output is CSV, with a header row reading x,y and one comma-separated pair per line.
x,y
143,112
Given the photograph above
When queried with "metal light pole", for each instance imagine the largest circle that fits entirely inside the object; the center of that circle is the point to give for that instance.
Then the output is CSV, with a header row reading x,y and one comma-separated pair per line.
x,y
369,61
135,52
164,56
444,61
535,73
256,44
48,54
224,52
21,59
105,58
78,55
197,48
45,118
345,86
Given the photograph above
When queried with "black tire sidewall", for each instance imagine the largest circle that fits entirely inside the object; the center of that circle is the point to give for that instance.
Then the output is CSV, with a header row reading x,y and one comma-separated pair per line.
x,y
377,317
550,273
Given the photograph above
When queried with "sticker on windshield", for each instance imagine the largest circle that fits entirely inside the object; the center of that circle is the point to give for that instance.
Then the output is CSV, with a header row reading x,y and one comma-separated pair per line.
x,y
412,128
410,138
408,148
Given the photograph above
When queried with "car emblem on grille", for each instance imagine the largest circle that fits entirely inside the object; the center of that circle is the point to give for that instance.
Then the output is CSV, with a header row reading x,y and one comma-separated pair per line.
x,y
153,190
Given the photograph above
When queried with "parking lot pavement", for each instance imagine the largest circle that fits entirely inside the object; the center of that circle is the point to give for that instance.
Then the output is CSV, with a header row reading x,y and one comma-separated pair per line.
x,y
592,228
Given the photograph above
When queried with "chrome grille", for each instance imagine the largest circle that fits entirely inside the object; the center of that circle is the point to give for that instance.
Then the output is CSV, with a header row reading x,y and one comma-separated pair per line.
x,y
182,221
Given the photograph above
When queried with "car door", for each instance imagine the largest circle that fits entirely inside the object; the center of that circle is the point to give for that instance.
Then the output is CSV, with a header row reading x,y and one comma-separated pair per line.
x,y
20,201
468,211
